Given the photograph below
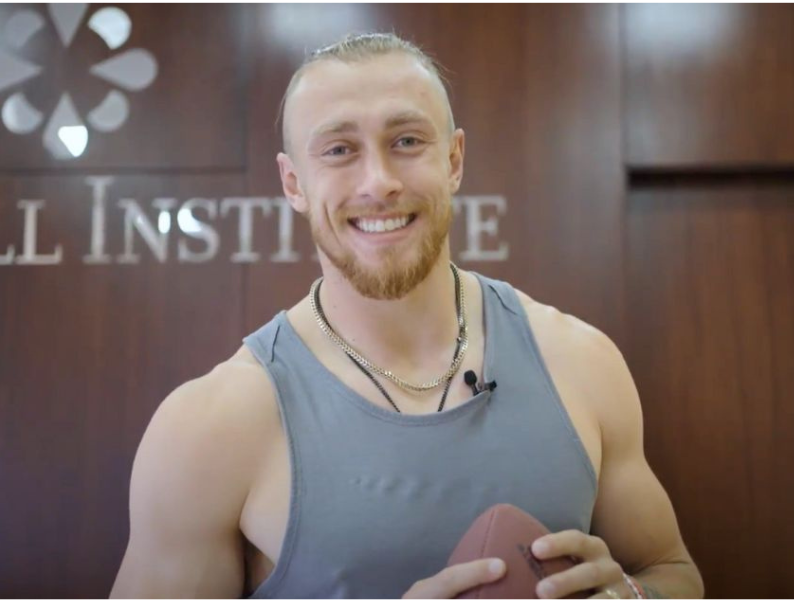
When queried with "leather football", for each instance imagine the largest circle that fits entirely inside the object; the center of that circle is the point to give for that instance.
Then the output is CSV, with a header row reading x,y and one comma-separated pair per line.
x,y
506,532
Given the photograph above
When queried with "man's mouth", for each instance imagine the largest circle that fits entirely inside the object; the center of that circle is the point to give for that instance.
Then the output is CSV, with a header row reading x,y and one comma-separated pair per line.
x,y
382,225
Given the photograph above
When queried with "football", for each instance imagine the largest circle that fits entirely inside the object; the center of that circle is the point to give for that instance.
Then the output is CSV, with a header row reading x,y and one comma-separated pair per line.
x,y
506,532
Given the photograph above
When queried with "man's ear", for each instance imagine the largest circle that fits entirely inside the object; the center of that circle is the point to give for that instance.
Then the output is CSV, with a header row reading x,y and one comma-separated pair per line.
x,y
290,183
457,148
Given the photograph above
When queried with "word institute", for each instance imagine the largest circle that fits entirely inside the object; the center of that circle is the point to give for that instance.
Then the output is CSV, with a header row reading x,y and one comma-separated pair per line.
x,y
197,220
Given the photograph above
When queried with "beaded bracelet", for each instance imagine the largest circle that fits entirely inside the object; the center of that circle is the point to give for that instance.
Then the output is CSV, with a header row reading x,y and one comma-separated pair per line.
x,y
635,589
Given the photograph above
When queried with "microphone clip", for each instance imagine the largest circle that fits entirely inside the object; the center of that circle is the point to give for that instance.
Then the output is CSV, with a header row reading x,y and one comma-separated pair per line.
x,y
470,377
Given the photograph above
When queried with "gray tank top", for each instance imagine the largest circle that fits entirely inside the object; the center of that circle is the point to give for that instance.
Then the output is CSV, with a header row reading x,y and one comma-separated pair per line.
x,y
380,499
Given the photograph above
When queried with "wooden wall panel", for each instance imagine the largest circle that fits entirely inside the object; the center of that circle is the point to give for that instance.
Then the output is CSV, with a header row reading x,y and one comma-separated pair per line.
x,y
710,85
87,352
711,322
710,276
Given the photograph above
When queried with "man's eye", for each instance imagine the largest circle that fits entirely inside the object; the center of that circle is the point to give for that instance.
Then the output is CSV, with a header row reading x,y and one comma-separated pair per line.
x,y
408,142
337,151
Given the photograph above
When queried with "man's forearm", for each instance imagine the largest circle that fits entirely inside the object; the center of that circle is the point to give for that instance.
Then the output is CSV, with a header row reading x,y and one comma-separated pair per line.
x,y
671,580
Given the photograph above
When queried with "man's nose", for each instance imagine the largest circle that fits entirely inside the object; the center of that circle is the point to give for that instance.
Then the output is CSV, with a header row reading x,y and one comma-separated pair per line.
x,y
379,181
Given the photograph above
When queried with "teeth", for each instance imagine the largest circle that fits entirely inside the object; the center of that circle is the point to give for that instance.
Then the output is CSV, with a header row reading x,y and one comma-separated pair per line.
x,y
378,225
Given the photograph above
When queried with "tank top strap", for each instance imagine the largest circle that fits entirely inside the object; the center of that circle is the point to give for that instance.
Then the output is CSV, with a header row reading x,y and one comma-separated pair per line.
x,y
262,342
506,294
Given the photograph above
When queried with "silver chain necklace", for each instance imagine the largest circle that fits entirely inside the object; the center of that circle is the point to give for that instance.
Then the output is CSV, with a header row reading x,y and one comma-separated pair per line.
x,y
462,339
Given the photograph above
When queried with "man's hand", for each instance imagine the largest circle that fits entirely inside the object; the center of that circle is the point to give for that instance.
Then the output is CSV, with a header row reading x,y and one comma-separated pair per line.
x,y
457,579
597,571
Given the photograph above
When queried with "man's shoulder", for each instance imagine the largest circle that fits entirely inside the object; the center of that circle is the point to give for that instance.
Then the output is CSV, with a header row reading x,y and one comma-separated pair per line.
x,y
239,378
564,334
233,400
588,361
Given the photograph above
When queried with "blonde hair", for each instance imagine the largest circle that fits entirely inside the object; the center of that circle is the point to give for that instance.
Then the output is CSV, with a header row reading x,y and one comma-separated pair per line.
x,y
359,47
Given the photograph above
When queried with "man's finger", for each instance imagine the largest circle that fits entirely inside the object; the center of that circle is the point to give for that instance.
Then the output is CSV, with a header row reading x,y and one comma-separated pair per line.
x,y
586,576
458,578
569,543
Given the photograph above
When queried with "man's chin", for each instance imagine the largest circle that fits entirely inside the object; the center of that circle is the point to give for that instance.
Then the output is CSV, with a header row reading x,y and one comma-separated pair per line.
x,y
389,279
384,284
389,274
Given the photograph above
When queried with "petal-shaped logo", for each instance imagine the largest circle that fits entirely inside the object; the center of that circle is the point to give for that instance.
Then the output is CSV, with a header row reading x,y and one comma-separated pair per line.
x,y
14,71
111,113
134,70
112,25
65,134
20,116
67,19
21,27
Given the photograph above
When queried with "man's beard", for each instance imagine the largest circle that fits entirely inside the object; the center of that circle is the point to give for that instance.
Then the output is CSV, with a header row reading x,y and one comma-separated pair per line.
x,y
396,275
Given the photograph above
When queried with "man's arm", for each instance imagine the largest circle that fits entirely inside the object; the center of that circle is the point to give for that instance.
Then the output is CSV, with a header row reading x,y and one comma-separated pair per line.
x,y
189,482
633,525
633,513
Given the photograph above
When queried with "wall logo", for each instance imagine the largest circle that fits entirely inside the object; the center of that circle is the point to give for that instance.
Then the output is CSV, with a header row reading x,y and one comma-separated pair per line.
x,y
65,134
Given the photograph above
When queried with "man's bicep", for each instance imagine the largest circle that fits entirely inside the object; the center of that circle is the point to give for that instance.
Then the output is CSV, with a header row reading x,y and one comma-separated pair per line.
x,y
183,536
205,569
634,516
633,512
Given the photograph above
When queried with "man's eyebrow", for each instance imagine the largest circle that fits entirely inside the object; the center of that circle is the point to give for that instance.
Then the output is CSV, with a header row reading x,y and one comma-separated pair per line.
x,y
333,127
406,118
402,118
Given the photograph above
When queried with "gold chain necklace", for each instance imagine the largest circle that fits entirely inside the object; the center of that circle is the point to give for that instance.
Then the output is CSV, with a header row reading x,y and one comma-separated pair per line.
x,y
462,340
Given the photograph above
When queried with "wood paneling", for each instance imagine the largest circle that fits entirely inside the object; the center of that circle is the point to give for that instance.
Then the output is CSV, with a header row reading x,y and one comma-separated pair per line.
x,y
709,86
711,337
710,276
87,352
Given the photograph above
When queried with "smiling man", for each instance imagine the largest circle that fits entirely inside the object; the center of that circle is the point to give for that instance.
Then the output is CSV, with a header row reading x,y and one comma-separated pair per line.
x,y
341,452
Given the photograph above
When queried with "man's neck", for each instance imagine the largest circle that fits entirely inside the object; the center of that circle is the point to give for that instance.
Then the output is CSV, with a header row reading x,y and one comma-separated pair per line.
x,y
403,334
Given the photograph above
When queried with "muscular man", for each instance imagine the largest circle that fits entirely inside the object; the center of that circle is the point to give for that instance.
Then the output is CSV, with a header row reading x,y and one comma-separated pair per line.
x,y
340,452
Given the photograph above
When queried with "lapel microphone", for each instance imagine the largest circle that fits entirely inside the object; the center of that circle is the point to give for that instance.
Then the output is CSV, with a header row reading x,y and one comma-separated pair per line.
x,y
470,377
